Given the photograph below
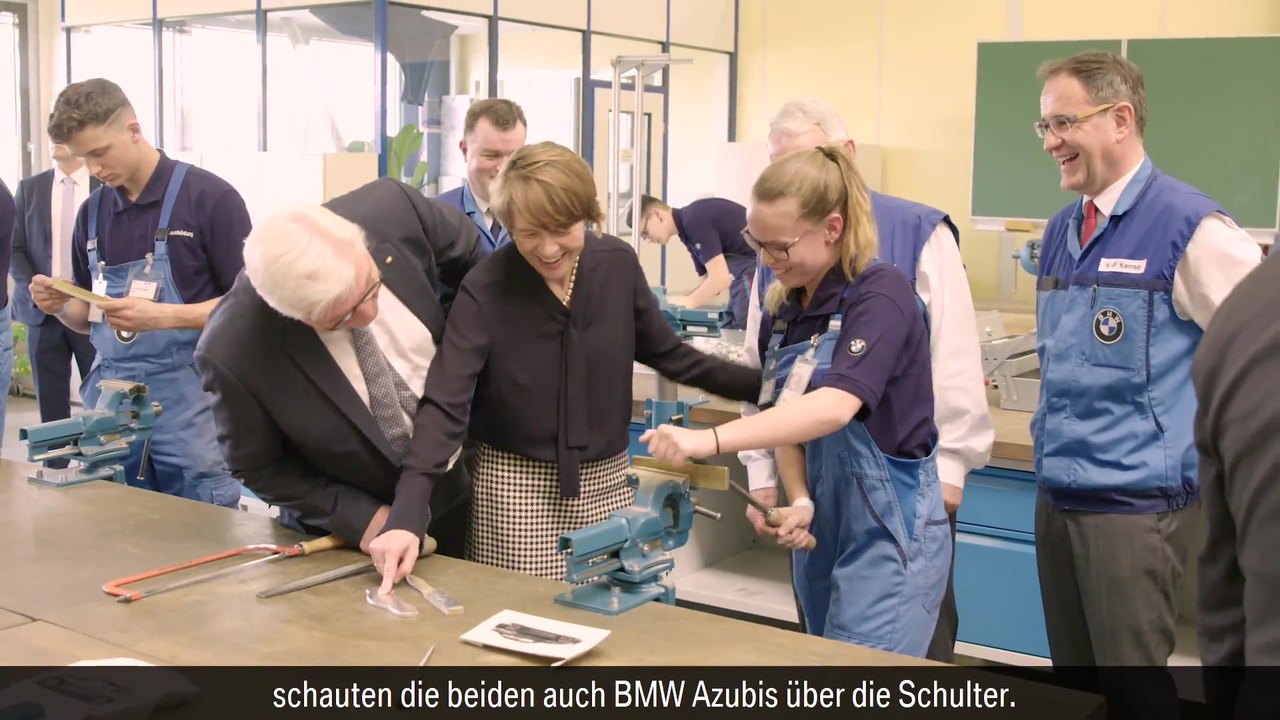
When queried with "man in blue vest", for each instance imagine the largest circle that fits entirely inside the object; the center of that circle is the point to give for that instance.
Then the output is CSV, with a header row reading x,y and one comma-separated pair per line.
x,y
1130,275
164,240
494,128
923,243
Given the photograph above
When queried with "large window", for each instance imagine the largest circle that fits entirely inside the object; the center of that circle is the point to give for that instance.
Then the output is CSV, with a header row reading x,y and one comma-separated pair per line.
x,y
320,79
212,70
540,68
124,55
15,68
698,122
604,48
438,63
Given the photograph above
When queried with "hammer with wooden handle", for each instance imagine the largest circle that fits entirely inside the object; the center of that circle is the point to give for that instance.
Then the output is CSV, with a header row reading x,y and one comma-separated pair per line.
x,y
772,517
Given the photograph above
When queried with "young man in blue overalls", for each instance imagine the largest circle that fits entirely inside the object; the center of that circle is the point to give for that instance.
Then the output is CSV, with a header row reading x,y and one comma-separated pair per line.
x,y
849,404
163,239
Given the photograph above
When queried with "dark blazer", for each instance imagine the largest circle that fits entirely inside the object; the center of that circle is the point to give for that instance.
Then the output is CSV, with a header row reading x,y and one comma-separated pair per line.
x,y
290,425
33,241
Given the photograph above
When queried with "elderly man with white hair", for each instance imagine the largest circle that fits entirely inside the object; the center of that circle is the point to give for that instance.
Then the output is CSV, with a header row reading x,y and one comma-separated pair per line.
x,y
923,242
318,356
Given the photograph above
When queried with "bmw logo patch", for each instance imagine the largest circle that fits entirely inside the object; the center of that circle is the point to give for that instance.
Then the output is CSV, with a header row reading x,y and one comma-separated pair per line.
x,y
1108,326
125,337
857,347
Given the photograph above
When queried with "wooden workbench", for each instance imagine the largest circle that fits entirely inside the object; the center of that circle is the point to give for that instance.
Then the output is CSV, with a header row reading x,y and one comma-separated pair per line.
x,y
58,546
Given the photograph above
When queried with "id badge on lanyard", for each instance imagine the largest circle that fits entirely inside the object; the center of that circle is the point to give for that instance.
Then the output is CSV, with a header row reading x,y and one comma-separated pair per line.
x,y
800,375
99,288
143,282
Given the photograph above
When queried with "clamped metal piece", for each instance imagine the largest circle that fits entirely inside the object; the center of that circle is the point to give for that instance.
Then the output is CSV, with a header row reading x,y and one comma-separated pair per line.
x,y
626,554
1028,256
98,439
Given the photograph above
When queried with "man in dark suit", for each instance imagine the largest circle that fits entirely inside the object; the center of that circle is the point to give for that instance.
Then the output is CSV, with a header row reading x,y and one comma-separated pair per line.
x,y
47,204
7,215
317,357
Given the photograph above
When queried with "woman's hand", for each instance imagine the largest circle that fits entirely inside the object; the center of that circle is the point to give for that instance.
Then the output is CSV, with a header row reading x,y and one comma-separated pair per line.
x,y
793,533
678,445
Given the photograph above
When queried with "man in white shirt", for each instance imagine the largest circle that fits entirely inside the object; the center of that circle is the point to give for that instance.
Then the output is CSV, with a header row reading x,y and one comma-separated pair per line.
x,y
47,205
1130,276
924,244
317,357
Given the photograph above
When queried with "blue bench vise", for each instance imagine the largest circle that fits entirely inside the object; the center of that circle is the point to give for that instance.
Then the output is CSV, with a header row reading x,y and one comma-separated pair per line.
x,y
98,439
689,322
623,558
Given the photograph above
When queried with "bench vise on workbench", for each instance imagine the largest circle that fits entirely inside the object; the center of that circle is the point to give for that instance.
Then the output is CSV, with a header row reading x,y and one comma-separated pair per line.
x,y
627,553
99,439
689,322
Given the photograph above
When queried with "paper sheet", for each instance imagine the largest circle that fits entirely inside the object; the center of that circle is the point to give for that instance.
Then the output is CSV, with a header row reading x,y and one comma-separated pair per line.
x,y
533,635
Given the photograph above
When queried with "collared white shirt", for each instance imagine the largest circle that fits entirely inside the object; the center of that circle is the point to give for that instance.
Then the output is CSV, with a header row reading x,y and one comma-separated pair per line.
x,y
81,178
483,205
961,413
1217,257
403,338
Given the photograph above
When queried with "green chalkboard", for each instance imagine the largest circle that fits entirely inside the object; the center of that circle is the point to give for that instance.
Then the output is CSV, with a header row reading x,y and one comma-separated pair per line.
x,y
1214,119
1013,177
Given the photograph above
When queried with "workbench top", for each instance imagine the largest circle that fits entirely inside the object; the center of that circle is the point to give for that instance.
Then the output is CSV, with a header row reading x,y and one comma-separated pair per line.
x,y
63,544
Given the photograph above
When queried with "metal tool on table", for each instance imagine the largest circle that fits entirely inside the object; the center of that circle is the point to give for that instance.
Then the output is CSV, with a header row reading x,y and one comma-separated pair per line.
x,y
98,439
359,567
275,554
772,517
623,558
439,599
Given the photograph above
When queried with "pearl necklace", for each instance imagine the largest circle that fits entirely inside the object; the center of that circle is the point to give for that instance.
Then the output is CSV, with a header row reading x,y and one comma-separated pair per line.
x,y
573,276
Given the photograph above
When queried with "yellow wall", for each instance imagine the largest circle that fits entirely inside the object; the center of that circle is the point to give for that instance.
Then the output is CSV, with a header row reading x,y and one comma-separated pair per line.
x,y
910,88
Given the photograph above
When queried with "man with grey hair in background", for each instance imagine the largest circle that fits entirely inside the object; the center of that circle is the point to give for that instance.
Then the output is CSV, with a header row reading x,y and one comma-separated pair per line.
x,y
923,242
317,358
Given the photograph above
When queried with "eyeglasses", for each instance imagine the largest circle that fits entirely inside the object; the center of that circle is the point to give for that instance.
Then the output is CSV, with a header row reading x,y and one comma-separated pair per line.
x,y
369,295
775,251
1061,124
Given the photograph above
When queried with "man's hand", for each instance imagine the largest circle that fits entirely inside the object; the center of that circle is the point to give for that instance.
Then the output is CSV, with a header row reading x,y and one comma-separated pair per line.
x,y
133,314
394,553
677,445
768,496
681,300
951,497
49,301
375,527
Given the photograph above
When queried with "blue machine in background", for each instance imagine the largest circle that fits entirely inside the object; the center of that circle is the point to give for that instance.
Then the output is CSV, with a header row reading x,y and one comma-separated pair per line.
x,y
98,439
666,408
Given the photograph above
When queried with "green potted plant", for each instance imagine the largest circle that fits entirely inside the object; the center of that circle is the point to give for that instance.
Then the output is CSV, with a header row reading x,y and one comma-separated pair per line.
x,y
23,383
399,149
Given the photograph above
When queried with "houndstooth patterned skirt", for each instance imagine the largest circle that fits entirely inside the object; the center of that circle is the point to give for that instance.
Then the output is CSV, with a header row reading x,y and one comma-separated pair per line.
x,y
517,514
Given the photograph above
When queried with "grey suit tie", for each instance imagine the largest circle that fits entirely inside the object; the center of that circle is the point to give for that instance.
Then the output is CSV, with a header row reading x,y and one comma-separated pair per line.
x,y
390,398
66,229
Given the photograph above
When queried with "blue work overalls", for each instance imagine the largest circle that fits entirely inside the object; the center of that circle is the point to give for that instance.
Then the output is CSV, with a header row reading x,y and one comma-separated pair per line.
x,y
879,571
184,456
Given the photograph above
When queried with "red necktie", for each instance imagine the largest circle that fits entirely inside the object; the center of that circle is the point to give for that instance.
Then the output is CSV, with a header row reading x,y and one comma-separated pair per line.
x,y
1090,222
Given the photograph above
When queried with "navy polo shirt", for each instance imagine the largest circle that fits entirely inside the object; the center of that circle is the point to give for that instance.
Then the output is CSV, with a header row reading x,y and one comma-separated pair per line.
x,y
712,227
890,372
206,231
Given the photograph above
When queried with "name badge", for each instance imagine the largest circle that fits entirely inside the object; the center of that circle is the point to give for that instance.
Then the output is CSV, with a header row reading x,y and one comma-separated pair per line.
x,y
99,288
1121,265
145,289
801,373
770,382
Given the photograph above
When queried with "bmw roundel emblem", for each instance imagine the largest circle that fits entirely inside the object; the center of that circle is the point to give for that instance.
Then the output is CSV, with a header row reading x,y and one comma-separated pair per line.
x,y
126,337
1108,326
857,347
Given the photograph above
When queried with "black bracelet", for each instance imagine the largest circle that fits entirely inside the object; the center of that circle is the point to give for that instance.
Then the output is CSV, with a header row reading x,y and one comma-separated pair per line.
x,y
717,436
